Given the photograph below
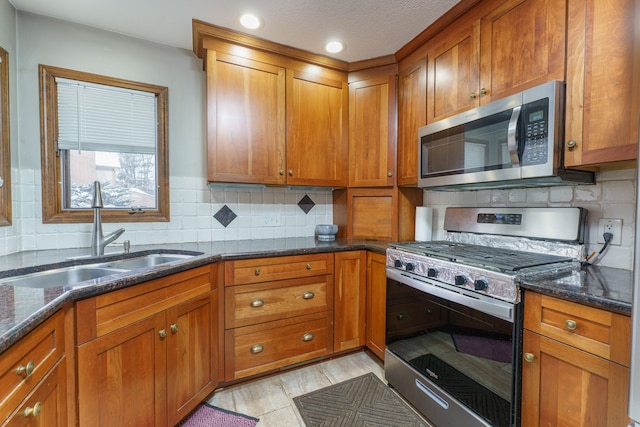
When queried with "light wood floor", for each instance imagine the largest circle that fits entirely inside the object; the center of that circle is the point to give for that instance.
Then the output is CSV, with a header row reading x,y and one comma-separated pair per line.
x,y
271,399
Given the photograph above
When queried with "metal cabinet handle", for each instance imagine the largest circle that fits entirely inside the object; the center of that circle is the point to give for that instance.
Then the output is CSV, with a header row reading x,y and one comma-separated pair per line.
x,y
571,144
473,95
256,348
25,371
571,324
162,333
35,411
529,357
174,328
307,337
281,171
257,272
308,266
483,92
290,172
308,295
257,303
389,174
400,316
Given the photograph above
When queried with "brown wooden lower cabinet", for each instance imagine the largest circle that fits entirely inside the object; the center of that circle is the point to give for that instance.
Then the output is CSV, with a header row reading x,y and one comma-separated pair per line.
x,y
156,368
563,382
375,322
350,297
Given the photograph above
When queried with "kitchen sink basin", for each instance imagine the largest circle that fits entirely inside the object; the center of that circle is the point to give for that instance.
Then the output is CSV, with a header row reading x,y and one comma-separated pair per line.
x,y
69,276
145,261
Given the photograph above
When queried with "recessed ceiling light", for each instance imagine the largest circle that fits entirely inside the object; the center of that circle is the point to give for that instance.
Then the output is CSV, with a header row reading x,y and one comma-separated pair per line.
x,y
250,21
334,47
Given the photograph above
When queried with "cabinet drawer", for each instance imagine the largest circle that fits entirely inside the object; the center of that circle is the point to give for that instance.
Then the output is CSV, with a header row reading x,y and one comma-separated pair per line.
x,y
258,270
250,304
261,348
600,332
27,362
105,313
48,399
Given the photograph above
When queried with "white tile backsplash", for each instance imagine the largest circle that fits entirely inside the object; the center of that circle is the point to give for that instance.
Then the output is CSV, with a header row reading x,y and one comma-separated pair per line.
x,y
613,196
193,204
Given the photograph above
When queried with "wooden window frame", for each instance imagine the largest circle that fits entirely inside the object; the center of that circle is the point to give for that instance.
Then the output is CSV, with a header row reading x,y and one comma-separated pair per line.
x,y
5,141
52,193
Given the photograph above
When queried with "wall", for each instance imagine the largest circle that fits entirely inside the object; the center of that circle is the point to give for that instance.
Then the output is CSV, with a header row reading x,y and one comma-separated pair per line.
x,y
613,196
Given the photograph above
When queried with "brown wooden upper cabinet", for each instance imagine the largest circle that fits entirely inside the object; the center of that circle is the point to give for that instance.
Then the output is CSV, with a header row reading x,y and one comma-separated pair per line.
x,y
603,83
412,113
497,49
275,115
372,113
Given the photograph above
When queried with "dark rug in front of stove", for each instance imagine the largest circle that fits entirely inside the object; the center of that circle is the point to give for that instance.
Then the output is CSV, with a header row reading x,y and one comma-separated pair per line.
x,y
482,400
358,402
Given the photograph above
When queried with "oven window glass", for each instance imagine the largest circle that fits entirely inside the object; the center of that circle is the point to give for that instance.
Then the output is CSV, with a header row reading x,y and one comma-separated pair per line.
x,y
465,352
473,147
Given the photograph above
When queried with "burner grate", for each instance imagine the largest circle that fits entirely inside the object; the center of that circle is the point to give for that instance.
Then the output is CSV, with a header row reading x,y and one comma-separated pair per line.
x,y
507,260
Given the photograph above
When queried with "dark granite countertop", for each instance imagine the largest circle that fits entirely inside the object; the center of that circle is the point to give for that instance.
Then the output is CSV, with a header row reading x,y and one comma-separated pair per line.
x,y
602,287
22,308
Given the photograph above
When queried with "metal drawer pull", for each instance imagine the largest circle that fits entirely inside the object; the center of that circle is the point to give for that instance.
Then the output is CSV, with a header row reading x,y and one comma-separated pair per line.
x,y
307,337
529,357
257,271
174,328
308,295
571,324
25,371
309,266
400,316
257,348
35,411
162,333
257,303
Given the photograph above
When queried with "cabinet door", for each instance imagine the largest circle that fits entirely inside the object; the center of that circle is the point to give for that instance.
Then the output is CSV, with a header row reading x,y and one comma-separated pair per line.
x,y
372,132
564,386
192,359
412,113
522,44
603,65
317,139
122,376
46,405
376,303
453,74
246,120
350,298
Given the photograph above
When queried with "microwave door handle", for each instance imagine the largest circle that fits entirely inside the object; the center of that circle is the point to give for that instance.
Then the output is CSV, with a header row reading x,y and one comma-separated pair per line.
x,y
511,137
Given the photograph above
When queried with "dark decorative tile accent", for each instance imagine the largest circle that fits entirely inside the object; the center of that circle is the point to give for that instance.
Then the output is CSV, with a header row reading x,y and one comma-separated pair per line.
x,y
225,216
306,204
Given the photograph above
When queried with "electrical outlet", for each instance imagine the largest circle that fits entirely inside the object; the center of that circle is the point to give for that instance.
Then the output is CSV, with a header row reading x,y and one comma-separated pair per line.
x,y
613,226
271,220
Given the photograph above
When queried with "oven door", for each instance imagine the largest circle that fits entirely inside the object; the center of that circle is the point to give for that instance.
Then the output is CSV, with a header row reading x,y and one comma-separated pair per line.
x,y
452,353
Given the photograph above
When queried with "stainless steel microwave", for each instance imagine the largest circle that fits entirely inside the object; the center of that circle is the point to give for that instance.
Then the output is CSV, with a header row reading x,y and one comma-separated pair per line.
x,y
513,142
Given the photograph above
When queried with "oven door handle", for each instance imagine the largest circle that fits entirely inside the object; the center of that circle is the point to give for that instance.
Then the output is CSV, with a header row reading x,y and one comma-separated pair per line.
x,y
485,304
432,394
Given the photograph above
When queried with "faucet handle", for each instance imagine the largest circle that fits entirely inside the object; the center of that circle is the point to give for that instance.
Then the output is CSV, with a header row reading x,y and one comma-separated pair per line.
x,y
97,196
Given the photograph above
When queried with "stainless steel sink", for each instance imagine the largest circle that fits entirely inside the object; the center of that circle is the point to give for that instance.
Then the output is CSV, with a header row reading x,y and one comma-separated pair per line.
x,y
69,276
145,261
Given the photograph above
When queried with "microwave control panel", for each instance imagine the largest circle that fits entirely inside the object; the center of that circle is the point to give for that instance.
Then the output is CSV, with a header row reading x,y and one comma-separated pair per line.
x,y
535,128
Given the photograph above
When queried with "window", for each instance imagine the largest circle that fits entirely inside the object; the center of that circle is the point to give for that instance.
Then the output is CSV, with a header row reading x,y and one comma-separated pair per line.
x,y
5,141
105,129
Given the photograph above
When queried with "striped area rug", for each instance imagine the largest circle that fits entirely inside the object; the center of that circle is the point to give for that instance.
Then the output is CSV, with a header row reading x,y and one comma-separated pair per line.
x,y
358,402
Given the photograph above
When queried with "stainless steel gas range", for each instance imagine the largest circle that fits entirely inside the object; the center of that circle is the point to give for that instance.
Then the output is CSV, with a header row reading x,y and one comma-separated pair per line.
x,y
454,312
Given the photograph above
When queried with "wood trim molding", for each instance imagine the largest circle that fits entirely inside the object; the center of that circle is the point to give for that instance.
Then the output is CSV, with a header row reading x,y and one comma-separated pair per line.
x,y
5,140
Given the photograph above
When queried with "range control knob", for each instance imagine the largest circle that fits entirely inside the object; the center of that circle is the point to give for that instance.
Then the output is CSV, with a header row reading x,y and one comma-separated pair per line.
x,y
432,272
398,263
480,284
460,280
410,266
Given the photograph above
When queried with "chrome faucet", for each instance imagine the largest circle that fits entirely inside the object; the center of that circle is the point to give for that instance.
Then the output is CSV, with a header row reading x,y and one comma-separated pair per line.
x,y
98,240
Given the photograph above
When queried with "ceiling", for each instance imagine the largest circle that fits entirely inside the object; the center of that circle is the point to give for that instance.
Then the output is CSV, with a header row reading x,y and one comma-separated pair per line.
x,y
368,28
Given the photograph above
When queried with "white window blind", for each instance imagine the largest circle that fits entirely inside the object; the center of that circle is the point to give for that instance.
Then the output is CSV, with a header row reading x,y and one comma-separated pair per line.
x,y
97,117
